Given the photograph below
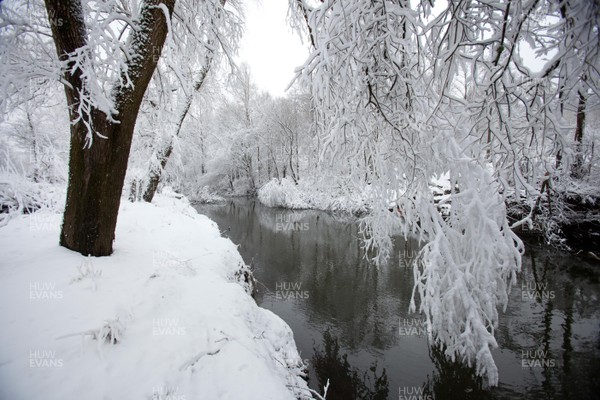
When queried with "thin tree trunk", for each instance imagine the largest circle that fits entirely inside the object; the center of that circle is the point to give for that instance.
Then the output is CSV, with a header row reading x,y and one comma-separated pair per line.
x,y
163,158
297,159
577,170
97,173
258,163
203,154
156,174
34,149
292,172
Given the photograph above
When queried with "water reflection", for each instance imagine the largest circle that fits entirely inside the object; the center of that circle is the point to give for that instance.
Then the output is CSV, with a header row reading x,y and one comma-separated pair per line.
x,y
312,273
452,380
551,328
345,381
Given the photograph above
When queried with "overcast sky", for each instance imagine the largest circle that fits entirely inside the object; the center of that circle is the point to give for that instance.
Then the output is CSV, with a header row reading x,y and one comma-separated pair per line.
x,y
273,50
270,47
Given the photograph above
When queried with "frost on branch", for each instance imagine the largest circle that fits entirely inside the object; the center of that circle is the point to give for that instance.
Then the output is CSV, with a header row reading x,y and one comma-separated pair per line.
x,y
27,54
24,31
202,35
467,269
386,80
281,193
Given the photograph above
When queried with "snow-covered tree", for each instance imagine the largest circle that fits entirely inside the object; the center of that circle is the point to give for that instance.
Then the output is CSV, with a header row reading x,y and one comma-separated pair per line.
x,y
252,137
406,92
182,73
104,53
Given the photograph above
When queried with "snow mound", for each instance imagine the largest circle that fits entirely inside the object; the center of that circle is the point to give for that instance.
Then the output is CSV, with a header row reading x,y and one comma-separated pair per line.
x,y
164,317
281,193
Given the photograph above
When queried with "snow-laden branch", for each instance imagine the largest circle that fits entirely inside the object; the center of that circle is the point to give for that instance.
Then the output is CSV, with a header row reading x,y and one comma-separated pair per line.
x,y
405,92
203,34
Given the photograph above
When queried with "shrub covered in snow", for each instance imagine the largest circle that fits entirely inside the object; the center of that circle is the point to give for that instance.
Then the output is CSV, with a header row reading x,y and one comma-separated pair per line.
x,y
204,195
343,200
282,193
20,195
326,194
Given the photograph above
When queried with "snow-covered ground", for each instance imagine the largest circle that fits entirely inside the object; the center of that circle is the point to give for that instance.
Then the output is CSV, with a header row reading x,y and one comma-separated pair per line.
x,y
167,316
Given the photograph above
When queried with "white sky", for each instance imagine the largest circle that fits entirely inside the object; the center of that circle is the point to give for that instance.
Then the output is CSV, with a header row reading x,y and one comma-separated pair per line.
x,y
273,50
270,47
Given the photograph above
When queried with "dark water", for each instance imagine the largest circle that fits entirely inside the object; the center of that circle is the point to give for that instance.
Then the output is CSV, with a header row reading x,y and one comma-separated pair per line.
x,y
351,321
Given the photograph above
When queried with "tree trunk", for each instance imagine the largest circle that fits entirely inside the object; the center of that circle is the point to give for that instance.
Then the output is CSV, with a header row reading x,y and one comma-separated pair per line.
x,y
297,158
97,173
202,154
274,165
258,163
34,149
155,175
292,172
577,170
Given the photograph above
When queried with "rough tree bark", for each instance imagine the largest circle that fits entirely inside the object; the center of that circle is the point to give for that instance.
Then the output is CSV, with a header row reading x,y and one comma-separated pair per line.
x,y
96,174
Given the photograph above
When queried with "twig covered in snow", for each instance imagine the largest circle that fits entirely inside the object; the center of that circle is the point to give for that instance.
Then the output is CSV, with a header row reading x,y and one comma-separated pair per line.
x,y
197,357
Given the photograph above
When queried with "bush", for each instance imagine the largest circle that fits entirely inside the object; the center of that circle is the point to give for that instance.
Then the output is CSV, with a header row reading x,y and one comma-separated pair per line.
x,y
281,193
20,195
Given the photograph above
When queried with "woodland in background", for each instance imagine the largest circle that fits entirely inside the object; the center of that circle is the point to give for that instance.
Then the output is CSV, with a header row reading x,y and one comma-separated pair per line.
x,y
393,95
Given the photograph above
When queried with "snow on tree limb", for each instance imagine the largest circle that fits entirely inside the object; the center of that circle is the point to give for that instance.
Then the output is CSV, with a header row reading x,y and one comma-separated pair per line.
x,y
405,92
203,35
99,44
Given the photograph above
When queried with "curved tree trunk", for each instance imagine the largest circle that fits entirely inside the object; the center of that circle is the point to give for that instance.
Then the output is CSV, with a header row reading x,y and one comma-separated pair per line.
x,y
97,173
163,157
156,175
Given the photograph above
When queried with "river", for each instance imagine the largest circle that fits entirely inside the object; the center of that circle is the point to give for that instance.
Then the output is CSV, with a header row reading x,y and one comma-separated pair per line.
x,y
351,322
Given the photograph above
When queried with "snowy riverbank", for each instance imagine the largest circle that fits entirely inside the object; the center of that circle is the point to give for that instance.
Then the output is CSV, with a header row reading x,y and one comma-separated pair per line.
x,y
285,193
574,226
167,316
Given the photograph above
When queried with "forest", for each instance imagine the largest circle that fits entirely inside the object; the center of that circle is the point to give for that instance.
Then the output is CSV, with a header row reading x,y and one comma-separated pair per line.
x,y
467,125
